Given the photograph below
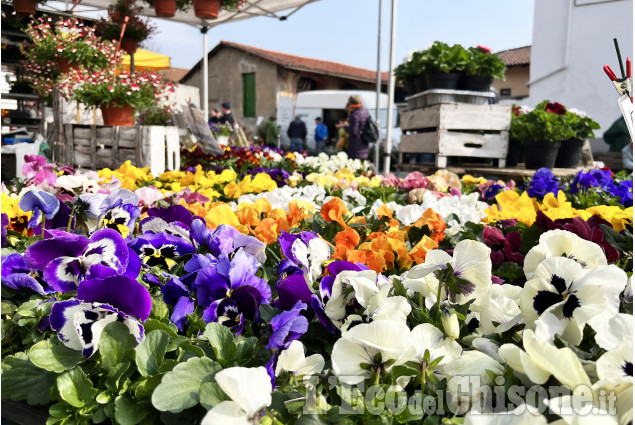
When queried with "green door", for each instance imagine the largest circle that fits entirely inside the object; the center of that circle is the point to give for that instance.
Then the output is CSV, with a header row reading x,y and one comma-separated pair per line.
x,y
249,94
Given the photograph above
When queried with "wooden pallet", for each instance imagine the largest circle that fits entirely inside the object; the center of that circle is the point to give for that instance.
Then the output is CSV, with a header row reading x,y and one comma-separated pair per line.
x,y
457,129
97,146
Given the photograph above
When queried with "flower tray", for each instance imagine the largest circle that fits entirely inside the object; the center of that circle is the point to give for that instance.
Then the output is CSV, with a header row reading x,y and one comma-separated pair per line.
x,y
439,96
461,130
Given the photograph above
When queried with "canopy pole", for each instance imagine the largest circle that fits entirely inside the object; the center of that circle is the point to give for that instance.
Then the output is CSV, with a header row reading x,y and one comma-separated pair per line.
x,y
205,76
131,63
391,84
377,150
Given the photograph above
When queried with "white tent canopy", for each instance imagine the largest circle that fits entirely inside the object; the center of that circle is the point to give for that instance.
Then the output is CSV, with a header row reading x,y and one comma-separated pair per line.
x,y
252,9
271,9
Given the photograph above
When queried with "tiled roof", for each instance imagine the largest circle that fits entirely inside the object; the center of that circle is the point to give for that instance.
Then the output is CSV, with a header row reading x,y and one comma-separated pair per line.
x,y
517,56
300,63
173,74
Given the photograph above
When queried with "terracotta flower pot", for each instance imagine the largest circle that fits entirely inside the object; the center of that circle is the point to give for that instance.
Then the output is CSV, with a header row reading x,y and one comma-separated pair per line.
x,y
165,8
25,7
207,9
116,115
65,66
129,45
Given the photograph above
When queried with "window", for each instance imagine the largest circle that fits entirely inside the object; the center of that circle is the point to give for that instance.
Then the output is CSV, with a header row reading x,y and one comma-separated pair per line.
x,y
249,94
506,92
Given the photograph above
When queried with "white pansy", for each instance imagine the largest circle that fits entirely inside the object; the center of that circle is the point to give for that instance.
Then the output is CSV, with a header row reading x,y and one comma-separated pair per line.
x,y
293,360
503,312
522,415
585,414
466,375
561,243
574,295
409,214
380,306
540,359
450,322
361,345
487,346
615,331
249,390
77,182
616,365
350,285
427,337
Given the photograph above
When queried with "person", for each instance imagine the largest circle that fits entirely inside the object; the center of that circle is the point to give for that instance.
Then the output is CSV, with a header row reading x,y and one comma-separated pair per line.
x,y
321,135
617,136
342,142
357,117
214,116
297,134
227,117
271,132
627,156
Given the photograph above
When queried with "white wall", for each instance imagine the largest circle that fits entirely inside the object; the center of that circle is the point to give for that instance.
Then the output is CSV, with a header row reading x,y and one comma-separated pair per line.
x,y
572,41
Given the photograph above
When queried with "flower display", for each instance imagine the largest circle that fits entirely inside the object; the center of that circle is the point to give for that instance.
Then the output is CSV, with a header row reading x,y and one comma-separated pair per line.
x,y
257,287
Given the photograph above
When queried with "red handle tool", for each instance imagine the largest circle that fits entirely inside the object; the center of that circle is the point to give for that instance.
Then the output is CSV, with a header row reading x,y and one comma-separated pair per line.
x,y
610,72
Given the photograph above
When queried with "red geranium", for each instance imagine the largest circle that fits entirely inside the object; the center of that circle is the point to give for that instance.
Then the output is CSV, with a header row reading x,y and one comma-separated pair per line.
x,y
556,108
516,110
484,49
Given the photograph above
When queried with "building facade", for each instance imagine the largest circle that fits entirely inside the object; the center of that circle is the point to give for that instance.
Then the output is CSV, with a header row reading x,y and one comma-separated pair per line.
x,y
260,83
515,86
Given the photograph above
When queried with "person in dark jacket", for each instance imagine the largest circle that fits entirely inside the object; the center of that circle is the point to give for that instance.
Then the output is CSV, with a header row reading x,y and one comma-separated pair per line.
x,y
297,134
227,117
356,121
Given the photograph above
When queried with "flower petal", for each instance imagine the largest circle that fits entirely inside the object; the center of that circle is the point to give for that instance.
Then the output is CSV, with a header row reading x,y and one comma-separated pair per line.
x,y
121,292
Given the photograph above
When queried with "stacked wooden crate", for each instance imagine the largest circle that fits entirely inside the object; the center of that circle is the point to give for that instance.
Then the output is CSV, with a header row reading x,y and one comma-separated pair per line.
x,y
457,130
98,146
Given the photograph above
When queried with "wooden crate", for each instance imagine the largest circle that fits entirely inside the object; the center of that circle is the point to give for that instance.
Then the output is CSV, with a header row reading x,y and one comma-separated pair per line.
x,y
457,129
97,146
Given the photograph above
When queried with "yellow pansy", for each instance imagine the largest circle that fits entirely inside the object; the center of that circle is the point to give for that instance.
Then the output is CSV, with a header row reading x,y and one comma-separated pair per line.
x,y
618,217
469,179
512,205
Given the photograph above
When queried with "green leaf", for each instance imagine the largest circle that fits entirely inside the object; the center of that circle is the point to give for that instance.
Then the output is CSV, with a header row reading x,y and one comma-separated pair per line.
x,y
246,349
211,394
146,387
76,388
116,345
150,353
222,341
179,389
22,380
114,376
310,420
54,356
159,310
129,412
152,324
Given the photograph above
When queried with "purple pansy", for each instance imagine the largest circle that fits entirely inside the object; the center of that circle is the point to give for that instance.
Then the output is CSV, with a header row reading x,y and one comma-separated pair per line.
x,y
624,191
287,327
161,249
226,240
67,260
307,251
174,220
5,223
17,275
174,293
121,292
542,182
231,292
39,202
120,217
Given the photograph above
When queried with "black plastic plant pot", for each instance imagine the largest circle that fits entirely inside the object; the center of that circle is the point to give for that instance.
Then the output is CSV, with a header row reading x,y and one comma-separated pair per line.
x,y
443,81
569,154
541,154
475,82
420,84
515,153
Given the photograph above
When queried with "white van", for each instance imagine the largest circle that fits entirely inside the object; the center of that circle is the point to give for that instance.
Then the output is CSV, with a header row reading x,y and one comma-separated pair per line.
x,y
330,106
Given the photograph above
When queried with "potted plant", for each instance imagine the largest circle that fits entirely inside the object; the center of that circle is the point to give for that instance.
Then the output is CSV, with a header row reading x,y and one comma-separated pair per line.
x,y
542,130
168,8
443,65
26,7
221,132
482,67
136,31
118,96
209,9
53,48
570,150
156,115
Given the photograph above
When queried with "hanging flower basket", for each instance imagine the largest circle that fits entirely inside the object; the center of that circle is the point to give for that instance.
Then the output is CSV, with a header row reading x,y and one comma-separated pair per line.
x,y
165,8
24,7
116,115
129,45
207,9
65,66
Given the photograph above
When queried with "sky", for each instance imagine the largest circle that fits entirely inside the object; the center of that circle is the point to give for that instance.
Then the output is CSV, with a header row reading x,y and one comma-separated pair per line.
x,y
345,31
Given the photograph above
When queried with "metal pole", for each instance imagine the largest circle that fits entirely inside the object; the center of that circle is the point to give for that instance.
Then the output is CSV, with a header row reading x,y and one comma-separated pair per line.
x,y
131,63
391,84
377,150
205,94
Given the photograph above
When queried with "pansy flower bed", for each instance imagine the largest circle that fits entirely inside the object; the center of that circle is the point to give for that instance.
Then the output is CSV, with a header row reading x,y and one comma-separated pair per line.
x,y
261,287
